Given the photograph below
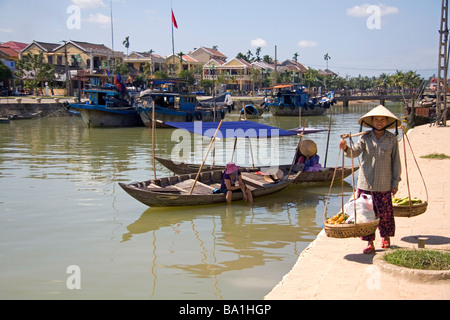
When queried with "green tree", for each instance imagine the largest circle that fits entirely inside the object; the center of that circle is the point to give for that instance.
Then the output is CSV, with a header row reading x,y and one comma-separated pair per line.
x,y
326,57
5,72
268,59
258,54
39,71
126,43
117,66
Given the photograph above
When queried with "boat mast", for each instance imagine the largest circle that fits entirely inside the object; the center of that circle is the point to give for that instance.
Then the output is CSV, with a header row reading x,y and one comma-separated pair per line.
x,y
112,28
441,93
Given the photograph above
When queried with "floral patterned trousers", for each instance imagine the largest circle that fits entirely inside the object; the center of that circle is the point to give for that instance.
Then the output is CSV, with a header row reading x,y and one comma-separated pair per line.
x,y
382,204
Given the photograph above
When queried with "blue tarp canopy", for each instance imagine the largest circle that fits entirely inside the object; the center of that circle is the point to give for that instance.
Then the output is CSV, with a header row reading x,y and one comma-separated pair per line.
x,y
232,129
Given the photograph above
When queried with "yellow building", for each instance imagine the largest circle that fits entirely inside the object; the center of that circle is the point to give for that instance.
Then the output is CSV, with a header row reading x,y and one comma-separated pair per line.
x,y
137,60
80,55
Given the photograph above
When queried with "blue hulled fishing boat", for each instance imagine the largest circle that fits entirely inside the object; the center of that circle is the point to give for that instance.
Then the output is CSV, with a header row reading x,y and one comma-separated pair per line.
x,y
108,106
289,100
173,104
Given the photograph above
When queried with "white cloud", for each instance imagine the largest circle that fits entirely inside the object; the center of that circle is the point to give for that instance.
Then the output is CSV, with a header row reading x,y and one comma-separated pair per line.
x,y
89,4
364,10
6,30
307,44
258,42
101,19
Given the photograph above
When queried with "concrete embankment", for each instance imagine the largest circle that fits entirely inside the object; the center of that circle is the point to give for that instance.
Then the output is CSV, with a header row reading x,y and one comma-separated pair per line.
x,y
34,109
333,268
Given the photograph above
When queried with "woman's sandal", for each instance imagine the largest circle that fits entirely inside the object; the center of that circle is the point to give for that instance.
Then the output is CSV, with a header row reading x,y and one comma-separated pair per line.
x,y
385,244
369,250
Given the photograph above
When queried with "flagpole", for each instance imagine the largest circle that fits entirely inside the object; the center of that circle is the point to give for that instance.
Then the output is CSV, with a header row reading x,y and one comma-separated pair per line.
x,y
112,27
173,41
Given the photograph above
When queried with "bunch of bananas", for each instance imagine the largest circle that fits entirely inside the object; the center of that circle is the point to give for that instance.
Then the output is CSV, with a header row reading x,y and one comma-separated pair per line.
x,y
340,218
405,201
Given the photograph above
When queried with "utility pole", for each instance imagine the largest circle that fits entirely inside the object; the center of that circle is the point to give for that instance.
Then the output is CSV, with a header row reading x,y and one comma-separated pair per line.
x,y
68,76
441,93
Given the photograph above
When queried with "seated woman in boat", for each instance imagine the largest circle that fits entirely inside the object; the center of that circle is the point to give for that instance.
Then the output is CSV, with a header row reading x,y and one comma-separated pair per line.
x,y
307,156
232,181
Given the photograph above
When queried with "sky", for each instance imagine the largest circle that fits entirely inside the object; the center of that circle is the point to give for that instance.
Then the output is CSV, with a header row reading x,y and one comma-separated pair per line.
x,y
360,37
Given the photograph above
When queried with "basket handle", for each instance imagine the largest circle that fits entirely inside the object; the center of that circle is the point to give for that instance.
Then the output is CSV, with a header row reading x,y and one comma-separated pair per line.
x,y
406,139
329,190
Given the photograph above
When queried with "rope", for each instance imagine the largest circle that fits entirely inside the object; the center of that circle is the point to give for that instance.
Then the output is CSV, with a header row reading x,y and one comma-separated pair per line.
x,y
406,167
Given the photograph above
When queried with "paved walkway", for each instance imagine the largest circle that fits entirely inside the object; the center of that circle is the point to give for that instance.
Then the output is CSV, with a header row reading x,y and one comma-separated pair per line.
x,y
337,269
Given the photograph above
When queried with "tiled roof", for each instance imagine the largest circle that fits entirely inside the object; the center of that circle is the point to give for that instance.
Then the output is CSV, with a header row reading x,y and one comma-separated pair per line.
x,y
9,51
14,45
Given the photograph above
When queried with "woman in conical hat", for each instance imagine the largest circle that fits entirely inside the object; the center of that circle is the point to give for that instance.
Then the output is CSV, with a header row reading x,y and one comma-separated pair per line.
x,y
379,174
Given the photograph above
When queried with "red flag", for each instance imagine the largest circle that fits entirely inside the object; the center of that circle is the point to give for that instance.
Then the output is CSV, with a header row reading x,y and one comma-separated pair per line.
x,y
174,21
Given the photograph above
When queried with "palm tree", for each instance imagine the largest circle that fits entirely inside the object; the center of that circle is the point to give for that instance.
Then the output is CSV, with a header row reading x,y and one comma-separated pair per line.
x,y
249,56
296,56
180,55
384,81
126,43
326,57
258,53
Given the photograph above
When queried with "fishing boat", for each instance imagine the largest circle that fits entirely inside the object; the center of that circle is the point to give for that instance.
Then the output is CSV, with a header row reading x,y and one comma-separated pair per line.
x,y
108,106
322,175
290,100
199,188
172,104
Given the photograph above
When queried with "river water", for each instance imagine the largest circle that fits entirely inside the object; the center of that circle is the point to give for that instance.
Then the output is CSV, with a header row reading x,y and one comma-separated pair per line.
x,y
68,231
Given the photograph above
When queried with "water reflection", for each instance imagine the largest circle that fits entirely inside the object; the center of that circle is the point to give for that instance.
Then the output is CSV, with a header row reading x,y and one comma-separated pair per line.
x,y
223,240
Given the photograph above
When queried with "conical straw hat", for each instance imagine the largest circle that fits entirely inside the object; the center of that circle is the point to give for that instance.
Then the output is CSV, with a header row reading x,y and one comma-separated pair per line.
x,y
308,148
273,175
380,111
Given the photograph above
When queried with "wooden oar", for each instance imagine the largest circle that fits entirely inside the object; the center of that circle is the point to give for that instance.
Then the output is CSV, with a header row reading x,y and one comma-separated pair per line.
x,y
204,160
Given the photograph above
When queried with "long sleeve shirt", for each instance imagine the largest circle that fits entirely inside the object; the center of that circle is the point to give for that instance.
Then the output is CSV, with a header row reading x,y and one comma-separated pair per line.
x,y
380,161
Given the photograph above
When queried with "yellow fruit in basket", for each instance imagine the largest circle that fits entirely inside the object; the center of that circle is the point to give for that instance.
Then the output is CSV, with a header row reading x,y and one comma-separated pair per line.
x,y
405,201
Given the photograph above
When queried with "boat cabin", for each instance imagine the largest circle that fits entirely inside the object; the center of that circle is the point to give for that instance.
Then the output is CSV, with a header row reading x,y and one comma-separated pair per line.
x,y
291,95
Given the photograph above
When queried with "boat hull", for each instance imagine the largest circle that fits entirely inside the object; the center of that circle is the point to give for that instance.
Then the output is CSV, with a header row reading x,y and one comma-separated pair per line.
x,y
175,190
163,115
323,175
286,111
97,116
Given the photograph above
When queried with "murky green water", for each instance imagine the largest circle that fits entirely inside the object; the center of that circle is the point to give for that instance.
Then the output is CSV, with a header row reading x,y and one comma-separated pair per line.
x,y
61,206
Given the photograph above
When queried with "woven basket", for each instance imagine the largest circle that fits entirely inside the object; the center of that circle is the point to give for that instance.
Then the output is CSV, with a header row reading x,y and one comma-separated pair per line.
x,y
351,230
408,212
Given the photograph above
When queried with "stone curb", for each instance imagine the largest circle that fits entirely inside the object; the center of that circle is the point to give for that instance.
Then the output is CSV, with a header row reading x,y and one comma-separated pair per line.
x,y
414,275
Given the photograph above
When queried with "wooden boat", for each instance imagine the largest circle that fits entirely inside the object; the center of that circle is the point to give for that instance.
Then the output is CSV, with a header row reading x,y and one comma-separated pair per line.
x,y
290,100
109,106
176,190
323,175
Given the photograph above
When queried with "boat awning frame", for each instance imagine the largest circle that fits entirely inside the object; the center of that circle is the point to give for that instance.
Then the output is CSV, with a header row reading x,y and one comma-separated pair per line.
x,y
239,129
232,129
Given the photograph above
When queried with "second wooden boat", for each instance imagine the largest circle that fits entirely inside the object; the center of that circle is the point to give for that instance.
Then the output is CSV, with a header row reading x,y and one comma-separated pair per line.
x,y
323,175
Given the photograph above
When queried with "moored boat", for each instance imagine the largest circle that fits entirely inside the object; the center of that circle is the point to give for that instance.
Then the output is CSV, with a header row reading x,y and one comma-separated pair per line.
x,y
290,100
108,106
249,111
174,105
321,175
176,190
